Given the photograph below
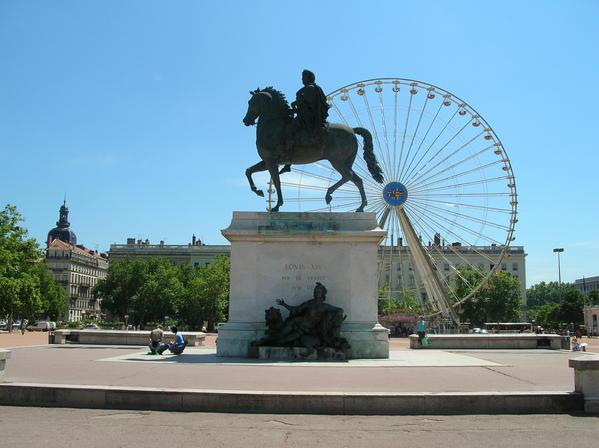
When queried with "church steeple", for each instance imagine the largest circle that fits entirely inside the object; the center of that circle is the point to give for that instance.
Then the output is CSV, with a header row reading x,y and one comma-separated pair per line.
x,y
63,218
62,230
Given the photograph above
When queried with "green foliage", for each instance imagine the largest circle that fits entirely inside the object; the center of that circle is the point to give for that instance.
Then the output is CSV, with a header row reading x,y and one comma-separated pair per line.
x,y
207,294
19,285
593,298
152,289
497,301
53,296
543,293
560,305
398,302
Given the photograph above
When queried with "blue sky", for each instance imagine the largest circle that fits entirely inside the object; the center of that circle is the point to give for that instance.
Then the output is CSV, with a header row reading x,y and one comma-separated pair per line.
x,y
133,109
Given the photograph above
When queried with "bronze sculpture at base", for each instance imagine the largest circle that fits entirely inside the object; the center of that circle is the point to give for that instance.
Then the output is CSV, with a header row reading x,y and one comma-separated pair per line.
x,y
313,325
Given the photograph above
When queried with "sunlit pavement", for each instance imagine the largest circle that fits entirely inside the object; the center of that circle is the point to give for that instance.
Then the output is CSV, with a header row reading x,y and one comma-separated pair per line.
x,y
109,428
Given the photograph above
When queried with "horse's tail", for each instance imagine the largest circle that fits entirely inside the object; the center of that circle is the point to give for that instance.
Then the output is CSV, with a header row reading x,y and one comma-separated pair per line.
x,y
369,157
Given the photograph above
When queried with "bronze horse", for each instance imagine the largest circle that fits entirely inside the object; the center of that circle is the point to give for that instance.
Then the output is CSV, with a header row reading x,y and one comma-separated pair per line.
x,y
339,146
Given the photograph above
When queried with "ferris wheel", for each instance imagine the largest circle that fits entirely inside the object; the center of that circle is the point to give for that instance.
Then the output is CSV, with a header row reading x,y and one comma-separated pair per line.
x,y
448,200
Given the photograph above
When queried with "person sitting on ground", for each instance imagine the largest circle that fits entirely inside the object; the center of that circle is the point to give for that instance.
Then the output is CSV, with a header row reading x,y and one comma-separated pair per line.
x,y
176,347
156,336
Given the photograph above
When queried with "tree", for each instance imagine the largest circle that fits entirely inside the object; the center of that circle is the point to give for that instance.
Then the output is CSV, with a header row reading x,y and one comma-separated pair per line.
x,y
151,289
206,296
543,293
498,300
571,306
593,297
546,315
155,298
53,296
123,280
19,287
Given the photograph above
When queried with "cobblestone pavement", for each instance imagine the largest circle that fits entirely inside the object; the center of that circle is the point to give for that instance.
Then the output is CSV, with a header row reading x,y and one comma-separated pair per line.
x,y
105,428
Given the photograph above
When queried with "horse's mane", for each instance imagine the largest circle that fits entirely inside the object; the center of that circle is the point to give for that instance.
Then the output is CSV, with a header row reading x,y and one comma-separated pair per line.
x,y
278,97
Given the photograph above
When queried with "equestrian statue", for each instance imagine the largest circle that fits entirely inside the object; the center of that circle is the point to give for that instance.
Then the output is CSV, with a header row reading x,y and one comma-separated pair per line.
x,y
300,134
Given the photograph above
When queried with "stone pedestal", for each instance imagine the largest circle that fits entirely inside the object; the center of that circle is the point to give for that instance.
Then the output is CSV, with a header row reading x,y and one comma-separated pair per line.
x,y
283,255
586,380
4,355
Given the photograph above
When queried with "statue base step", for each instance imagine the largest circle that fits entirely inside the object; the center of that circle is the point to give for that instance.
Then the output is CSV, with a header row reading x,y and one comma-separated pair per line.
x,y
299,354
366,340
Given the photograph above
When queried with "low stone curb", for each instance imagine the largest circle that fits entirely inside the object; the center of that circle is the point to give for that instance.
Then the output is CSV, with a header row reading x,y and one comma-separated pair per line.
x,y
331,403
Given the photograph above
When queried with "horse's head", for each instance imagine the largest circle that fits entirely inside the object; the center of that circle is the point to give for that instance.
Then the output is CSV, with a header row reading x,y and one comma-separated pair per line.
x,y
269,102
255,106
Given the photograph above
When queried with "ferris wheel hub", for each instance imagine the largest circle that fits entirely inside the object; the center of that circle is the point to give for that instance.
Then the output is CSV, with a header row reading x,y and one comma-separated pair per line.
x,y
395,194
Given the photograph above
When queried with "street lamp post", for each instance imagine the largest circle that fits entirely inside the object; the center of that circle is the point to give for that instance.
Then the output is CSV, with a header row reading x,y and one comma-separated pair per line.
x,y
559,250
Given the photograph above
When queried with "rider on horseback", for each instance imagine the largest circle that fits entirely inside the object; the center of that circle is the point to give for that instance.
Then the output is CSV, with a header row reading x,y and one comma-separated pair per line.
x,y
311,108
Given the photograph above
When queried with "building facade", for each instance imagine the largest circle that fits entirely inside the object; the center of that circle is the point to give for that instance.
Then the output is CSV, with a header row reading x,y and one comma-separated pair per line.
x,y
397,270
195,253
395,265
76,268
586,285
591,319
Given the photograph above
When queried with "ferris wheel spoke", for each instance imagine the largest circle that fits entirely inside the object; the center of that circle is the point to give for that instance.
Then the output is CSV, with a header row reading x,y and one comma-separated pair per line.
x,y
413,138
432,285
395,90
472,206
314,175
470,218
405,129
384,123
471,247
420,172
359,121
430,126
423,175
447,285
384,160
462,195
456,253
460,162
472,232
460,185
460,226
430,147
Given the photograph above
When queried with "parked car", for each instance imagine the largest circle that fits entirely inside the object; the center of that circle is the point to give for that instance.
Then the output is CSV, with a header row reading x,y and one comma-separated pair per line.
x,y
90,327
3,325
42,325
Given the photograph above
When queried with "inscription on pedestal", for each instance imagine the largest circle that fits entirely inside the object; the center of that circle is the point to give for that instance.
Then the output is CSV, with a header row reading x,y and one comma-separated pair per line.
x,y
298,277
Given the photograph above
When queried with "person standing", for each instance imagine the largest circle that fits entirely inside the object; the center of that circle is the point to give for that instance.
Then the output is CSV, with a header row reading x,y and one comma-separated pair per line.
x,y
421,329
23,325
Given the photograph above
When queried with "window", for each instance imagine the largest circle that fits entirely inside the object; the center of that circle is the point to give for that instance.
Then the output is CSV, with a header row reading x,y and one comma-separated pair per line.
x,y
504,266
514,266
196,263
491,266
446,267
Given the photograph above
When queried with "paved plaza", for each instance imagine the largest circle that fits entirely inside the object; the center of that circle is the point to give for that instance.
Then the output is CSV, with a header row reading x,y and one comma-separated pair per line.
x,y
110,428
199,368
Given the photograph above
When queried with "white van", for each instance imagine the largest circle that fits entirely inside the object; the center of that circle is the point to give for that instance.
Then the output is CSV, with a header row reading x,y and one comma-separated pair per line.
x,y
42,325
